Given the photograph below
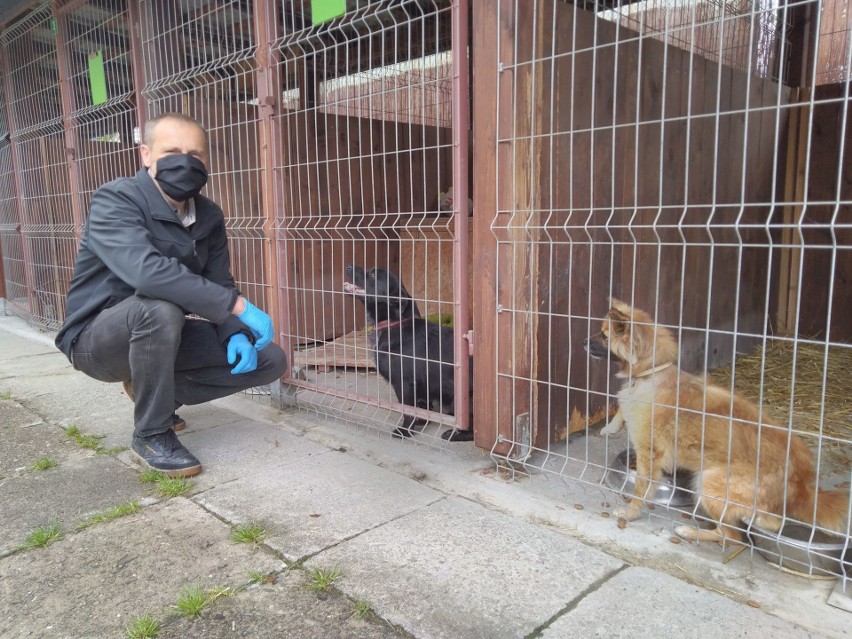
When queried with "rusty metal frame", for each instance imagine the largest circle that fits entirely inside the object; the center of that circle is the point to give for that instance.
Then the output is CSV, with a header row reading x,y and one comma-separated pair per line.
x,y
71,150
25,251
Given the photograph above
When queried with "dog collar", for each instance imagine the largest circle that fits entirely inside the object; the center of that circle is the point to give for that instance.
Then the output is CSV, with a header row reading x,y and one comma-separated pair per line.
x,y
656,369
386,324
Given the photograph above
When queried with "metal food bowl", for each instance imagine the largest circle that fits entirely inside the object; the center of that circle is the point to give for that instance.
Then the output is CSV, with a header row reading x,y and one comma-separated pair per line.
x,y
800,549
623,479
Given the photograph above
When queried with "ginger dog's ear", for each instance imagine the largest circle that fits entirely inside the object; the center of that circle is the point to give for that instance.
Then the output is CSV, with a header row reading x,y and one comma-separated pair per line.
x,y
620,319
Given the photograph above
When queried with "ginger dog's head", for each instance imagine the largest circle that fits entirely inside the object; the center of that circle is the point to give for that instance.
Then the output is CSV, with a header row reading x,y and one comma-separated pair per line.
x,y
632,338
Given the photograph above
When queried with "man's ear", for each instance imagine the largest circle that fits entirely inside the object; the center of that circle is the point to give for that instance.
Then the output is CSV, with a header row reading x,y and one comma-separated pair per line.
x,y
145,154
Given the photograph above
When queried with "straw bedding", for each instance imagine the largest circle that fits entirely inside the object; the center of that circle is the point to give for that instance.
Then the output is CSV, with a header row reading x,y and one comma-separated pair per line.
x,y
822,390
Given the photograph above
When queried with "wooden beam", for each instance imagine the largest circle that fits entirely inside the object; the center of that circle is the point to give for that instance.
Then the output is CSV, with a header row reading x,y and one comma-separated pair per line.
x,y
485,88
276,272
803,38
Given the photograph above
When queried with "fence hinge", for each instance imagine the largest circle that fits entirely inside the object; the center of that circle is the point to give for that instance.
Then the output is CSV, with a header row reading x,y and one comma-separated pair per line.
x,y
469,337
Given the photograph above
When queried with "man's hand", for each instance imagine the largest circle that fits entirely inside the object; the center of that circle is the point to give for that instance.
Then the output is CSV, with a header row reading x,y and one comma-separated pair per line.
x,y
239,345
259,322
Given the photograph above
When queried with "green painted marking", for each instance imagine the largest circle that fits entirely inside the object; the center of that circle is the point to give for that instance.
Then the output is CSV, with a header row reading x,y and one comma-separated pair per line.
x,y
325,10
97,78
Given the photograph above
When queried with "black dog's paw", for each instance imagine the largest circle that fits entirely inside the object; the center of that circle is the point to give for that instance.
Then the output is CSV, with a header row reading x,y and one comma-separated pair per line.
x,y
454,435
402,432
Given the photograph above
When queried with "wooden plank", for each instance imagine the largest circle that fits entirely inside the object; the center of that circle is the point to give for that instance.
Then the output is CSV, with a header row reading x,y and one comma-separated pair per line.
x,y
352,350
489,420
830,179
794,191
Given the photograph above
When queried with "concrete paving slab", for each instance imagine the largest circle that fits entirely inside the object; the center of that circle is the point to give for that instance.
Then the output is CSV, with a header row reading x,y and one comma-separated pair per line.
x,y
24,364
26,438
284,610
206,416
23,445
70,398
640,603
243,449
457,569
318,502
65,495
91,583
17,346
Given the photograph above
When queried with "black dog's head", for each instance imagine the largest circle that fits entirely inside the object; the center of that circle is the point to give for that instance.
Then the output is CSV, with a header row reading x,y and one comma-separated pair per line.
x,y
383,295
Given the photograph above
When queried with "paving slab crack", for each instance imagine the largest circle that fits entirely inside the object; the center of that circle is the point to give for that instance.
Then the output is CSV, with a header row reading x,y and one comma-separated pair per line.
x,y
576,601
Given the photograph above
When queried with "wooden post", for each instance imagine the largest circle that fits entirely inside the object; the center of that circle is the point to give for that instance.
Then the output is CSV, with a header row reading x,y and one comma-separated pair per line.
x,y
803,38
269,97
485,90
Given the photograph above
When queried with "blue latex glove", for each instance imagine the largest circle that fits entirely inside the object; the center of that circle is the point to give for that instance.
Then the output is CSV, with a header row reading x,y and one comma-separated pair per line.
x,y
240,345
260,324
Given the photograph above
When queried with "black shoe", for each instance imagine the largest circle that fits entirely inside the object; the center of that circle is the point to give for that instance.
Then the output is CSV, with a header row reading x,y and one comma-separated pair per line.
x,y
165,453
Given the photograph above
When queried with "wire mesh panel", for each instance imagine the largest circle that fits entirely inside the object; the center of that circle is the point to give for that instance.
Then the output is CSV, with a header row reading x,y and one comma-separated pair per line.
x,y
368,209
45,215
642,155
17,300
199,59
103,103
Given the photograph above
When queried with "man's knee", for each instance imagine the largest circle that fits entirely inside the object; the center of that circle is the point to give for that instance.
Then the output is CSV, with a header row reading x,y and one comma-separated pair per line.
x,y
163,318
273,361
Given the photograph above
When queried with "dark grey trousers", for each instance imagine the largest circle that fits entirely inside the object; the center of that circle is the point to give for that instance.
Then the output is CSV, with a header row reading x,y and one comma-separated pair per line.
x,y
170,360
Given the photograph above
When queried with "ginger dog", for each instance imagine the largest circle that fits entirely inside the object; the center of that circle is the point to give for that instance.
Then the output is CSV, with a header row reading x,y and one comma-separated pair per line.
x,y
746,467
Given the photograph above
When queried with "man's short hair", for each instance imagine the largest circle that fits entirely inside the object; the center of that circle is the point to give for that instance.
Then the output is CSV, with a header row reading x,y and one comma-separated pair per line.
x,y
151,124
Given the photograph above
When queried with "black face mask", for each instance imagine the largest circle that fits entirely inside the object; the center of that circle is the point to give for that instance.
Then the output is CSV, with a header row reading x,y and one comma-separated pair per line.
x,y
181,176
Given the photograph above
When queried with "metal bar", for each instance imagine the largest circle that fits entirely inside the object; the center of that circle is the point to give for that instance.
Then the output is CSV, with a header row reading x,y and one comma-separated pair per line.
x,y
71,148
25,249
460,48
67,7
134,30
422,413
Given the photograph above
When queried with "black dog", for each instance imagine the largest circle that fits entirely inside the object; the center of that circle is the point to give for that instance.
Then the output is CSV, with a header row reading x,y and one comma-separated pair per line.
x,y
414,355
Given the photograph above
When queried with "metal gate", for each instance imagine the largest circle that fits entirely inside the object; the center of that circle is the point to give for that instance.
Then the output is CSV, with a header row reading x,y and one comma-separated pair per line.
x,y
373,123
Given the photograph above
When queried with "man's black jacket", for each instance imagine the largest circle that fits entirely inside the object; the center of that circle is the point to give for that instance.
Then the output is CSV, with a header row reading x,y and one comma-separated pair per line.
x,y
135,244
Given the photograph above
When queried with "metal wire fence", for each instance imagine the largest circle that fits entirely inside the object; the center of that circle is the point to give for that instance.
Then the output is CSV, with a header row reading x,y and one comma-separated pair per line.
x,y
636,160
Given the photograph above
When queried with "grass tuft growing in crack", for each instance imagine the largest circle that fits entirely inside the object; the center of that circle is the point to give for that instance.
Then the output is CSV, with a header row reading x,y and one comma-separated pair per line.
x,y
250,533
145,627
193,600
121,510
90,442
6,395
45,463
361,609
43,536
323,579
166,486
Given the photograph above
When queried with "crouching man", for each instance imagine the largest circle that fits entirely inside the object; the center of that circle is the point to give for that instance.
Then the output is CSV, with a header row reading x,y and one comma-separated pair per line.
x,y
154,251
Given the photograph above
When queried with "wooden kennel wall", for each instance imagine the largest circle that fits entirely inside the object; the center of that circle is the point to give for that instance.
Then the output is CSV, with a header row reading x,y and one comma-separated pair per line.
x,y
565,219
